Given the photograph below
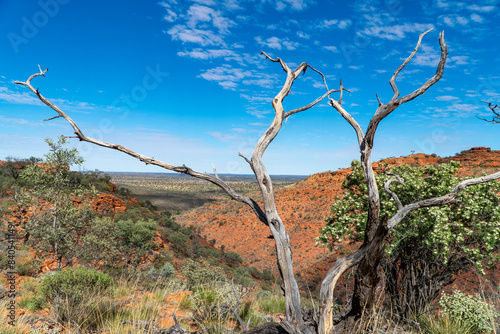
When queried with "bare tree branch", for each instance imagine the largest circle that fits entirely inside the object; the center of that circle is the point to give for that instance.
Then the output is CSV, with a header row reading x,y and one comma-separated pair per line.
x,y
49,119
393,78
236,309
349,119
397,179
493,108
310,105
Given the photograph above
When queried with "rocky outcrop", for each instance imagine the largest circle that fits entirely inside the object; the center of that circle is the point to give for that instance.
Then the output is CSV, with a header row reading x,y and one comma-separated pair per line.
x,y
107,204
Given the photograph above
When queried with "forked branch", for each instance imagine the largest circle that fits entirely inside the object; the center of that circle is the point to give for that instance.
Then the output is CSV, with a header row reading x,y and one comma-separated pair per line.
x,y
494,109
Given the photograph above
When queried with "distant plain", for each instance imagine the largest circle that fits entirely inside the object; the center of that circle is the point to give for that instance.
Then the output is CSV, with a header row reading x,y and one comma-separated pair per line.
x,y
179,193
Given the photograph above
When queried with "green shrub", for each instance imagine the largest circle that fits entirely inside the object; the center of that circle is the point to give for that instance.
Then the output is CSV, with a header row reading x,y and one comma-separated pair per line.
x,y
232,258
33,303
166,271
197,274
470,310
242,276
179,241
70,284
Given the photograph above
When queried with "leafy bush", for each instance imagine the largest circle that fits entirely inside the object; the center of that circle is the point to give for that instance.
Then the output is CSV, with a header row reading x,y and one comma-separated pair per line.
x,y
166,271
470,310
33,303
242,276
179,241
232,258
70,284
136,236
266,274
197,274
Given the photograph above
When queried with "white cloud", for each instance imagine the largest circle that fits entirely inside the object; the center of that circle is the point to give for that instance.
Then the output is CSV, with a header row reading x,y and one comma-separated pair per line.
x,y
197,14
224,137
484,9
476,18
230,77
171,16
460,60
276,43
331,48
7,95
396,32
426,56
15,121
205,2
225,73
294,4
202,37
262,82
447,98
232,4
328,24
199,53
10,96
343,24
452,20
303,35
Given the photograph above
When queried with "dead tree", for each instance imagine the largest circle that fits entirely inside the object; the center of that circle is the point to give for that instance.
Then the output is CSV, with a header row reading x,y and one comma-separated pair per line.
x,y
495,109
367,257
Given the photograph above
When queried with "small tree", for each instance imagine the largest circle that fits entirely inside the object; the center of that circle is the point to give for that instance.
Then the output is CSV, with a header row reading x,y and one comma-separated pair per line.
x,y
431,245
54,220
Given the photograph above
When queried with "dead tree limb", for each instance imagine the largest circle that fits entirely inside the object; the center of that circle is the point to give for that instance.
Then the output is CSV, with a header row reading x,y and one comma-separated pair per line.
x,y
495,109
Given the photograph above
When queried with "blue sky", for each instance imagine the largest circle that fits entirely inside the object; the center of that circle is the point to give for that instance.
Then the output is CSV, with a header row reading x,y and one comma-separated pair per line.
x,y
184,81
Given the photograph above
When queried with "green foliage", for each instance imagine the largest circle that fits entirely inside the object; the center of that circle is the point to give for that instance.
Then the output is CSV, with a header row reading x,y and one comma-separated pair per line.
x,y
80,298
114,242
50,188
242,277
470,310
102,244
233,259
161,273
444,325
272,304
179,240
197,273
33,303
137,234
431,244
72,284
96,179
266,274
